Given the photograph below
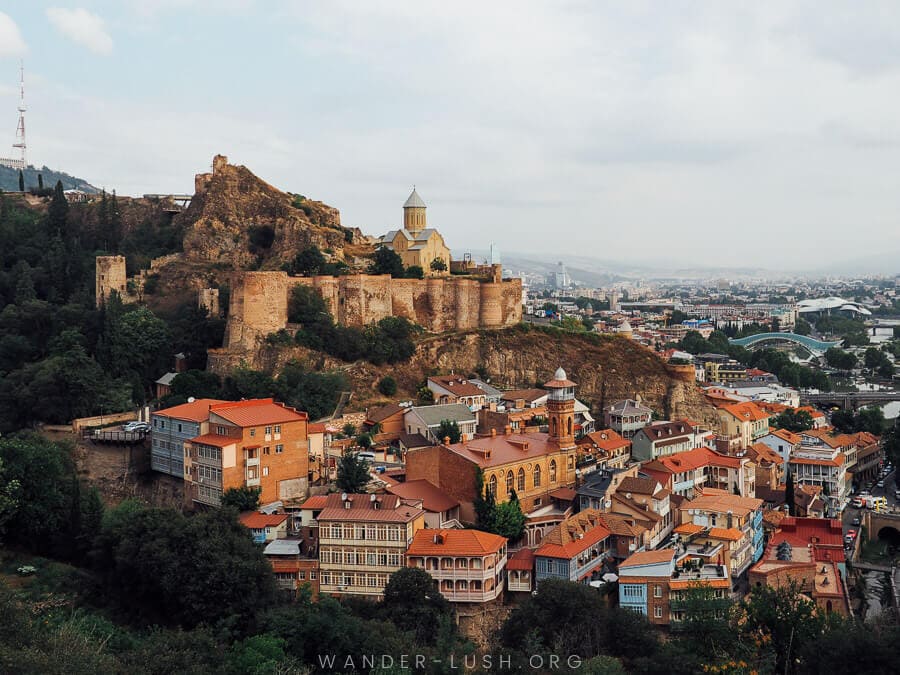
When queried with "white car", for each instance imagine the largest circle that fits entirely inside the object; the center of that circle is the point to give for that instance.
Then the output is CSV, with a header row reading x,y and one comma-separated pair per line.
x,y
136,427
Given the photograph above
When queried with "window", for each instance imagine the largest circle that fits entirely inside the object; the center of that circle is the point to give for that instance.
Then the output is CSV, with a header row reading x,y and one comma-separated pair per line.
x,y
179,427
509,482
657,591
632,590
301,576
492,485
279,449
266,450
265,471
552,470
394,559
394,533
277,428
268,430
382,559
657,612
520,480
220,430
252,432
312,575
537,475
335,531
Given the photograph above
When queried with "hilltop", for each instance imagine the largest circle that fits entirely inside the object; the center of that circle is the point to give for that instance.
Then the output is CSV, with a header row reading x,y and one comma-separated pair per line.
x,y
9,179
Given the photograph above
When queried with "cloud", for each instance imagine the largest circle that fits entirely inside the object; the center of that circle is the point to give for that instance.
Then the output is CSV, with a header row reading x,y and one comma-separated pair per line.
x,y
82,27
11,42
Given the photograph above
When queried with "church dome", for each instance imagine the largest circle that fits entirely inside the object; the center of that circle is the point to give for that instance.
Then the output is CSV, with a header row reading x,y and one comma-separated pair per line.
x,y
560,374
414,201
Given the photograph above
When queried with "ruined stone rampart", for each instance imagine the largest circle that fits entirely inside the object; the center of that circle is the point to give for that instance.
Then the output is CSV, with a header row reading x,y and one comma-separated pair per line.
x,y
438,304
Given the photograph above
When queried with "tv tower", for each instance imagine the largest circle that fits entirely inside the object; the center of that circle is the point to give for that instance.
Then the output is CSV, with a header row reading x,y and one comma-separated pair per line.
x,y
20,129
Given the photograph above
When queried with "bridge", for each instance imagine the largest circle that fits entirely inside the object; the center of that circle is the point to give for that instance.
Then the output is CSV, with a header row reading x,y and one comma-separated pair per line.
x,y
850,400
817,347
181,202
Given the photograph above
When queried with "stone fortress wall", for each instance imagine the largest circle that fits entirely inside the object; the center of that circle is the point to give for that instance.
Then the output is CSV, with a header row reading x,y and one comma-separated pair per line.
x,y
259,302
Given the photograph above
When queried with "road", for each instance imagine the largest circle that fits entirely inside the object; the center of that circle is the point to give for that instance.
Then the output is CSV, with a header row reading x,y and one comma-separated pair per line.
x,y
887,491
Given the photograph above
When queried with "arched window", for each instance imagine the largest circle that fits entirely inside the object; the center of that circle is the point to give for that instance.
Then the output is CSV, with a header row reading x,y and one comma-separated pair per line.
x,y
569,426
552,470
553,427
520,482
492,485
509,482
537,475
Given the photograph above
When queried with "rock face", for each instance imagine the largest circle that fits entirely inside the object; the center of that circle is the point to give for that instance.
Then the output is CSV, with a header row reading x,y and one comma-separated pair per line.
x,y
240,220
606,370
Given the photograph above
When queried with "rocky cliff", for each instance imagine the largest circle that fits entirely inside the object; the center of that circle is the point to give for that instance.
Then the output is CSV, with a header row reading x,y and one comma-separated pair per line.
x,y
239,220
606,369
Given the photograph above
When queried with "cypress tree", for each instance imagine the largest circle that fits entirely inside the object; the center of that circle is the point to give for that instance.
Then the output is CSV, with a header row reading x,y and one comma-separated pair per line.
x,y
58,212
40,181
789,493
21,181
115,222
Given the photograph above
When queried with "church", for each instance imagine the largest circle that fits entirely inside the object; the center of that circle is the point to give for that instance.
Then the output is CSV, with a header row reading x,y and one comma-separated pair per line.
x,y
416,243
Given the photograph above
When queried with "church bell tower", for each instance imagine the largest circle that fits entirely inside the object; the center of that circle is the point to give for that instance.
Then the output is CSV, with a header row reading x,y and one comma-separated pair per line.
x,y
561,409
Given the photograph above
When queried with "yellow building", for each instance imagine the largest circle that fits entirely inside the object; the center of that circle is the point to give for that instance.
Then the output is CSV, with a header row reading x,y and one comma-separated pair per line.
x,y
416,243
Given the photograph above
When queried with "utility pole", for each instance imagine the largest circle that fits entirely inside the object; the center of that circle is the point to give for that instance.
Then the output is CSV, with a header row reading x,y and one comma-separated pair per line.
x,y
20,129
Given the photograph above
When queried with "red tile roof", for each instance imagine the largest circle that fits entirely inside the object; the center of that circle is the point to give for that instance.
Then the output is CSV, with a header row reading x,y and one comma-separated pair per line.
x,y
502,449
314,502
528,395
523,559
315,428
605,439
433,498
788,436
456,385
647,558
256,521
747,411
257,412
376,415
391,509
455,542
574,535
195,411
214,440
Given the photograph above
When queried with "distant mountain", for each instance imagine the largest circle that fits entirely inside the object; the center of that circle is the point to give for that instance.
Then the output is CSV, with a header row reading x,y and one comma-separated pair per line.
x,y
9,179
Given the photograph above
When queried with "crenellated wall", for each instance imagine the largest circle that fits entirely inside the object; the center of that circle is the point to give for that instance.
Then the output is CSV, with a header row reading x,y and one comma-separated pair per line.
x,y
438,304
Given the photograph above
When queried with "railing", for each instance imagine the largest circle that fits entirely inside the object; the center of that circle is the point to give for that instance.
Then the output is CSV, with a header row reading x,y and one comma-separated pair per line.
x,y
472,596
251,482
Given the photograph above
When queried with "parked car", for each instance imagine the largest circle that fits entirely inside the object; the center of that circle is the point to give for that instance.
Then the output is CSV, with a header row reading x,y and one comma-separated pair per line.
x,y
857,503
857,521
136,427
880,484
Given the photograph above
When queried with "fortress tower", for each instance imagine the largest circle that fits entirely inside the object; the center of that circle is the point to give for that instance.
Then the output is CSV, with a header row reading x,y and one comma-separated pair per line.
x,y
414,214
561,409
110,277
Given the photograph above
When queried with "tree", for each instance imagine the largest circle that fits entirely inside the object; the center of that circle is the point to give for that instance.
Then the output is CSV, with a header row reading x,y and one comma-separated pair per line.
x,y
509,521
364,441
886,370
449,429
58,211
385,261
309,261
789,493
873,357
414,272
349,429
40,182
802,327
694,343
387,385
704,627
438,265
9,497
352,473
793,420
241,498
21,181
838,358
413,602
484,504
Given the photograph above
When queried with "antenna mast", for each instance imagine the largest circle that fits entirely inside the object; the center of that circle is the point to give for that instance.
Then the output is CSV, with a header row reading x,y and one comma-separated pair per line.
x,y
20,129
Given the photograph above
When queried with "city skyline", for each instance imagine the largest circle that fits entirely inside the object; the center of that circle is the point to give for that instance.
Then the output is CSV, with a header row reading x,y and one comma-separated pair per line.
x,y
642,134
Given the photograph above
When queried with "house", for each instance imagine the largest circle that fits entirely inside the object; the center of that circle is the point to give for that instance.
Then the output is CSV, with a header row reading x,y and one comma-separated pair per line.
x,y
426,420
517,419
293,568
606,448
520,571
823,467
253,443
695,469
715,518
822,438
869,456
468,565
744,421
417,244
171,428
584,422
265,528
456,389
575,550
655,583
626,535
523,398
627,417
441,510
657,526
598,487
769,466
807,500
406,442
532,465
650,496
809,553
164,384
726,371
662,438
362,541
783,442
820,421
388,420
491,393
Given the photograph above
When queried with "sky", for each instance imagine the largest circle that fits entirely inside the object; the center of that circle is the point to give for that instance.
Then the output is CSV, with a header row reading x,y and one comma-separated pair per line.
x,y
724,133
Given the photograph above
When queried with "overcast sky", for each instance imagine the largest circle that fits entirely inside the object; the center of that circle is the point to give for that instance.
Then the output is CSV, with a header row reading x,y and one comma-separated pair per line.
x,y
709,132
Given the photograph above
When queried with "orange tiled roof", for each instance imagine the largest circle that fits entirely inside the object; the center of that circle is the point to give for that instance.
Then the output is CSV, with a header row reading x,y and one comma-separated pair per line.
x,y
605,439
788,436
813,412
719,501
390,509
455,542
504,449
257,412
621,525
837,461
747,411
195,411
523,559
256,521
456,385
680,584
648,558
574,535
761,451
689,528
729,533
316,428
214,440
314,502
433,498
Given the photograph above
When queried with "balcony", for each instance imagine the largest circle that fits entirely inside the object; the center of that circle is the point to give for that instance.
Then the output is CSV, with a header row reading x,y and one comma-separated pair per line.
x,y
472,596
251,482
252,461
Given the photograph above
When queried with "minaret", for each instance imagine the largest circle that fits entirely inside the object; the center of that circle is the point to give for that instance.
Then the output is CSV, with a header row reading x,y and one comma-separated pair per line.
x,y
414,213
561,409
